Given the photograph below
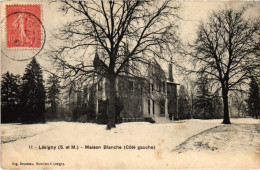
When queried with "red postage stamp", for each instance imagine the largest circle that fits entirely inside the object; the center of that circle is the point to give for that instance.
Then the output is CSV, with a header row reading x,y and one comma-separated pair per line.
x,y
23,26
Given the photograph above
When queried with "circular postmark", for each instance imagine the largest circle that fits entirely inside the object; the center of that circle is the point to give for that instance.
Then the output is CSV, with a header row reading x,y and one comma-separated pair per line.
x,y
24,35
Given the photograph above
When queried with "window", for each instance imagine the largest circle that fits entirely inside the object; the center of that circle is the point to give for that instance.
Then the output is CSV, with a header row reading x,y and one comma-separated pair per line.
x,y
149,107
139,108
131,85
100,85
163,86
153,106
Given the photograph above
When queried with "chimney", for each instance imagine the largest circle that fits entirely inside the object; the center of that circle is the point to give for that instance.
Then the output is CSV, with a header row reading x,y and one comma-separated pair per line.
x,y
170,71
126,66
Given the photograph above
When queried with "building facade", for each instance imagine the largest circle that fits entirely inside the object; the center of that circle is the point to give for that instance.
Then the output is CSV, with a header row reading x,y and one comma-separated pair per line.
x,y
137,97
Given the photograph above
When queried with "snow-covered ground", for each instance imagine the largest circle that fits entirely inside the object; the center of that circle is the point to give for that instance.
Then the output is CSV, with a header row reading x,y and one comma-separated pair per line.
x,y
242,137
13,132
182,144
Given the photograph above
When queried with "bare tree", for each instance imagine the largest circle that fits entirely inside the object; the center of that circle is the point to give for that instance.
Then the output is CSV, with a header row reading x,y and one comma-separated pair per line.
x,y
239,102
226,50
192,92
121,32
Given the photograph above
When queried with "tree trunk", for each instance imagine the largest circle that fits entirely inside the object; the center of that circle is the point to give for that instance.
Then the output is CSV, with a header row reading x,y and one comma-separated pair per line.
x,y
226,110
111,108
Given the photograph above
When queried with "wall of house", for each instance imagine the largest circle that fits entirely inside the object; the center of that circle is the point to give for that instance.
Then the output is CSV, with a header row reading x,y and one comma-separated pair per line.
x,y
166,108
130,95
132,107
159,97
145,106
133,97
157,108
128,99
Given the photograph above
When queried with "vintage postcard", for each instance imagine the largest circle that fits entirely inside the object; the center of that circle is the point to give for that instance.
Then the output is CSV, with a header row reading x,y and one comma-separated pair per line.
x,y
130,84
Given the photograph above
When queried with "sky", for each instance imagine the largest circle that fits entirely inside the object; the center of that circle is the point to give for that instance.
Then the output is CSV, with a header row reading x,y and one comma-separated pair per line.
x,y
192,13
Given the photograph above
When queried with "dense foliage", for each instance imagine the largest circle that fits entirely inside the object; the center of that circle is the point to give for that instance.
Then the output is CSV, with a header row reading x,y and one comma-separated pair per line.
x,y
23,100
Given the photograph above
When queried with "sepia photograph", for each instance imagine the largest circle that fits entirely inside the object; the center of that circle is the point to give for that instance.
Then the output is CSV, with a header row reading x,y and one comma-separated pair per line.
x,y
130,84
